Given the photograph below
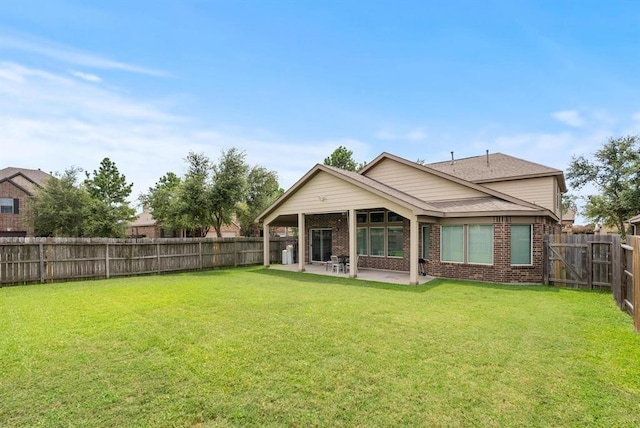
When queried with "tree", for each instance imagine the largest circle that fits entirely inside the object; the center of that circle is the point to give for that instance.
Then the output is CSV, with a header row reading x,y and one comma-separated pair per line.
x,y
195,205
209,195
343,159
229,187
110,209
263,189
61,208
162,200
615,172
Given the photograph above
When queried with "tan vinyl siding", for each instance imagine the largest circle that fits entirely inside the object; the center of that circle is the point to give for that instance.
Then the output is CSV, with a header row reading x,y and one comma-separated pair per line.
x,y
420,184
325,193
539,191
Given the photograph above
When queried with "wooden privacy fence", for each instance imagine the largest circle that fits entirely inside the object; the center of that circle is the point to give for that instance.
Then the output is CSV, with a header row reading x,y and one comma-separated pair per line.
x,y
40,260
582,261
628,294
596,262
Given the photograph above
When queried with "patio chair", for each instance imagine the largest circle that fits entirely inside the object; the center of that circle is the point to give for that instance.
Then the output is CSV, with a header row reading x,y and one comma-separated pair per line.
x,y
348,264
336,266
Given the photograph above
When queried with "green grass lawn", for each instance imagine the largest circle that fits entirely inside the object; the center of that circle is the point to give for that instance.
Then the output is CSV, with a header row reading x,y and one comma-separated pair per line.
x,y
271,348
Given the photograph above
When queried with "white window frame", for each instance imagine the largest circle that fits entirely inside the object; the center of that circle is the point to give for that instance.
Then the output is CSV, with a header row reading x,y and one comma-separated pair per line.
x,y
387,249
530,246
468,246
366,241
384,239
425,248
7,202
442,227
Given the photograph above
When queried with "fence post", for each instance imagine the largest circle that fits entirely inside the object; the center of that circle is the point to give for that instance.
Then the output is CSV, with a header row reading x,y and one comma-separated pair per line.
x,y
235,253
50,259
616,265
545,260
200,254
41,262
106,260
589,264
636,282
158,256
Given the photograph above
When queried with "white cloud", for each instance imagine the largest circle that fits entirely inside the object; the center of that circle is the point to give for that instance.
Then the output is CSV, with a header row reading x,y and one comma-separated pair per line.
x,y
417,134
86,76
61,122
30,44
569,117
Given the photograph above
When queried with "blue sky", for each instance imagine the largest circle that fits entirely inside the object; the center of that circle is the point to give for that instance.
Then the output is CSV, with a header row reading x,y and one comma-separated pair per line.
x,y
145,82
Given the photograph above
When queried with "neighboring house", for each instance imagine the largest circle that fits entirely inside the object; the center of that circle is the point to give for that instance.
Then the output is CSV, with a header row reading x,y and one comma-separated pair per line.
x,y
568,219
635,225
145,226
601,229
16,186
480,218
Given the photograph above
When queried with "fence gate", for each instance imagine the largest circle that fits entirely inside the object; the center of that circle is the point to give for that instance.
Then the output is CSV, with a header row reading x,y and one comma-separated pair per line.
x,y
582,261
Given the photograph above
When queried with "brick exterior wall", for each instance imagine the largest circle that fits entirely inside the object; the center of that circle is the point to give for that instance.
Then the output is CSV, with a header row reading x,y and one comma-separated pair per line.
x,y
500,271
14,222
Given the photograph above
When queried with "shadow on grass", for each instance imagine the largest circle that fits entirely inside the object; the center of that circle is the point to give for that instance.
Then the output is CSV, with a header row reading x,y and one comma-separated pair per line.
x,y
497,286
324,279
423,288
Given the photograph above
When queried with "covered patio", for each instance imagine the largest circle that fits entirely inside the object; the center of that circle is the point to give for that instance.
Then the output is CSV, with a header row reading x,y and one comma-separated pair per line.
x,y
388,276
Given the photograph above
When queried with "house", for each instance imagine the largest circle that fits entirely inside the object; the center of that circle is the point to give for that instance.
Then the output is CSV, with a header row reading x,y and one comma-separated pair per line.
x,y
17,185
480,218
568,220
145,226
635,225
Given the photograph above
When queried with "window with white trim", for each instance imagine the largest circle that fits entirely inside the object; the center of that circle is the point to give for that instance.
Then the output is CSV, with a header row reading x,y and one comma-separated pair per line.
x,y
362,240
9,206
395,239
521,244
426,230
452,244
480,247
376,241
376,217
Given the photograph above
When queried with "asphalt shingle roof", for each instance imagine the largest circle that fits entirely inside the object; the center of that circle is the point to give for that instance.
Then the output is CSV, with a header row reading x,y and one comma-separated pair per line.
x,y
28,179
498,167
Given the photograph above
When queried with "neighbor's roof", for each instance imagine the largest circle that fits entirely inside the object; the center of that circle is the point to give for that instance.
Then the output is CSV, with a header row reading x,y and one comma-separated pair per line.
x,y
496,167
635,219
144,219
27,179
570,215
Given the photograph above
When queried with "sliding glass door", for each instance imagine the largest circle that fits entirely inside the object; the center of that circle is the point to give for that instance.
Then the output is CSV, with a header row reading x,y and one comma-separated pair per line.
x,y
320,241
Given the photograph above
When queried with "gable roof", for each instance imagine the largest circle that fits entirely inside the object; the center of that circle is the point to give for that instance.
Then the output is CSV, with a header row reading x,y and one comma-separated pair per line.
x,y
634,220
569,215
494,202
497,167
453,178
358,180
28,180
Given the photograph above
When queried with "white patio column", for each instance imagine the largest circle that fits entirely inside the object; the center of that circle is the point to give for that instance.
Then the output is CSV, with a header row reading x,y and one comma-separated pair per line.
x,y
353,244
266,243
302,242
413,250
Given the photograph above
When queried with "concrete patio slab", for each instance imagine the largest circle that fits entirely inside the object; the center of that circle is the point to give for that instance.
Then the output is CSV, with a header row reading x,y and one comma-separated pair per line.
x,y
391,277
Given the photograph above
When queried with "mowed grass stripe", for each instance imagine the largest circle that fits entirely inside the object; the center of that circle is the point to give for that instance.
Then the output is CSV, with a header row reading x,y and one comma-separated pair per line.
x,y
262,347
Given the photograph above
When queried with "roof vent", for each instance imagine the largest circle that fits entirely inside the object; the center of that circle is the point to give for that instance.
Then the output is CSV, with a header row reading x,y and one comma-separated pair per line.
x,y
487,157
452,160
